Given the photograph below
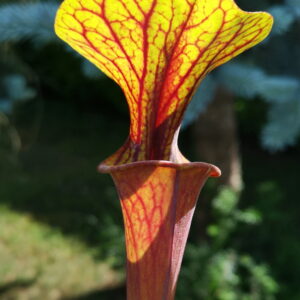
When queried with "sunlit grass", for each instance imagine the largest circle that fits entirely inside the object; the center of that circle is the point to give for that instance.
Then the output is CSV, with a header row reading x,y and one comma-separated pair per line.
x,y
39,262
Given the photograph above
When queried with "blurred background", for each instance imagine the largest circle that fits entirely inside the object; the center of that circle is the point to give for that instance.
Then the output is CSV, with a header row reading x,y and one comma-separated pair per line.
x,y
61,233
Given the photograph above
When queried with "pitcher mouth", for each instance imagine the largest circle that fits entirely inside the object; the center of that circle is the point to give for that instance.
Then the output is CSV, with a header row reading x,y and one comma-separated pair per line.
x,y
212,170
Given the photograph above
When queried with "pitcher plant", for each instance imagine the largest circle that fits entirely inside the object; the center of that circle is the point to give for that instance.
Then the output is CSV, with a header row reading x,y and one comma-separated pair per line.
x,y
158,52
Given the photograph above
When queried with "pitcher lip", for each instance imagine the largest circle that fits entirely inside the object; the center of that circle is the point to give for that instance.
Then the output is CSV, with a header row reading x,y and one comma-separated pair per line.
x,y
214,170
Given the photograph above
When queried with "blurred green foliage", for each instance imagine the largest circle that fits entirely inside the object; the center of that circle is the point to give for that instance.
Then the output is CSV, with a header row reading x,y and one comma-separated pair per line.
x,y
223,272
269,72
